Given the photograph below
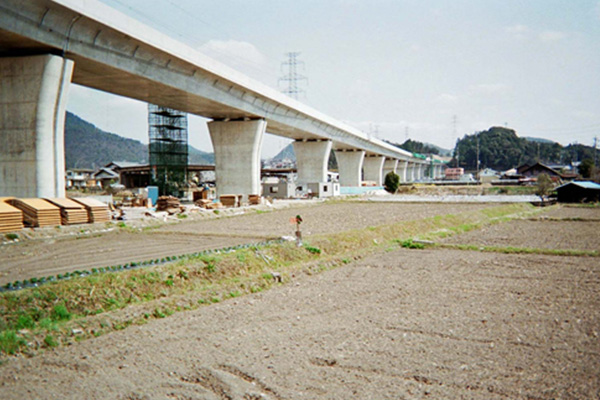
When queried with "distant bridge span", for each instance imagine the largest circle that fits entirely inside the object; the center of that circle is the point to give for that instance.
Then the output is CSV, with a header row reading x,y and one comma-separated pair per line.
x,y
91,44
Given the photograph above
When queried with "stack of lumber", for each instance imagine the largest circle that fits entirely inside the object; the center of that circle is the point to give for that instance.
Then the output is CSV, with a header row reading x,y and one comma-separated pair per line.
x,y
254,199
208,204
37,212
230,200
71,212
169,204
97,211
11,218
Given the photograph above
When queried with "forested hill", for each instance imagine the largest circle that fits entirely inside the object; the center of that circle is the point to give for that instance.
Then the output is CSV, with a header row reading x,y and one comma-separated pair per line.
x,y
501,149
86,146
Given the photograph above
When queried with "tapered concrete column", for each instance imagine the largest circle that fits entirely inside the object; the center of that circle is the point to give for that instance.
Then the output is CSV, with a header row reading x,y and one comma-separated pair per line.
x,y
418,171
401,170
350,166
390,165
410,169
373,169
237,147
33,94
312,158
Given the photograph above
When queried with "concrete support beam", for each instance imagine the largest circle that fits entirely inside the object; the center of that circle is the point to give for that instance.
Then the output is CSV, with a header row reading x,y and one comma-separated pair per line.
x,y
312,158
390,165
373,169
401,170
418,171
350,166
237,146
33,94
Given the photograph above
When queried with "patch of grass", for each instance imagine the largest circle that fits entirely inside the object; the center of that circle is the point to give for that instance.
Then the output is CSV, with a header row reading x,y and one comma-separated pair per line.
x,y
312,249
11,236
182,216
522,250
10,343
410,244
50,341
60,313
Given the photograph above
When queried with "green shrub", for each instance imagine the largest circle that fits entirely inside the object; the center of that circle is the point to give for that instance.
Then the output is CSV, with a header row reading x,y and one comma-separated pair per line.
x,y
10,342
391,182
60,313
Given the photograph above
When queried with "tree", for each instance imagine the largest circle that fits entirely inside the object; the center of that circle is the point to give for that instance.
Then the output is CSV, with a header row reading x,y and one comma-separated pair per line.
x,y
544,186
392,181
586,168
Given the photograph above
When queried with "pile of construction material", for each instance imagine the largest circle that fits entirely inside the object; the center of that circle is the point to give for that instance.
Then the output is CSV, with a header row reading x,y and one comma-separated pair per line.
x,y
97,211
37,212
208,204
169,204
231,200
254,199
71,212
11,218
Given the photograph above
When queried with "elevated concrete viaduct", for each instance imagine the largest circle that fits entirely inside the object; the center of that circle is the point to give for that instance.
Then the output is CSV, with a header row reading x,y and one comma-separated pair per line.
x,y
45,44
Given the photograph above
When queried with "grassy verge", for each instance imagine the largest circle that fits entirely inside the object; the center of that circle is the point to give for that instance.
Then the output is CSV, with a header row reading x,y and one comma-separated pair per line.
x,y
521,250
82,307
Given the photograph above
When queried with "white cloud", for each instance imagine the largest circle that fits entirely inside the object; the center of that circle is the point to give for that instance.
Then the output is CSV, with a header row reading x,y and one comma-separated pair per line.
x,y
552,36
489,88
446,98
517,30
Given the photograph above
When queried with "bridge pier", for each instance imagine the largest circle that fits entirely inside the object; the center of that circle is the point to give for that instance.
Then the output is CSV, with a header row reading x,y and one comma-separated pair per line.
x,y
237,146
373,168
390,165
401,170
350,164
312,158
33,97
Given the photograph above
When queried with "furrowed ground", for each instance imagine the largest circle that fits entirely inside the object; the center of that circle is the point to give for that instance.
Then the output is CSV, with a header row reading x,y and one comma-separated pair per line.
x,y
485,301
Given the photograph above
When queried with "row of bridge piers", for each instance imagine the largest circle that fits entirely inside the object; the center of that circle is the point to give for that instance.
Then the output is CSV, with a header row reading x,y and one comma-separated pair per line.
x,y
33,94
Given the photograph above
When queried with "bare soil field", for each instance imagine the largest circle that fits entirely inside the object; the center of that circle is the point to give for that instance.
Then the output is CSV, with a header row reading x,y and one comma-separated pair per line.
x,y
403,324
536,234
51,256
440,324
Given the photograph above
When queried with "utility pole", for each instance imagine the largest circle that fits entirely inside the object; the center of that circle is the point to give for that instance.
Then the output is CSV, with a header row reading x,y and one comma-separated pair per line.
x,y
454,121
292,77
595,150
478,154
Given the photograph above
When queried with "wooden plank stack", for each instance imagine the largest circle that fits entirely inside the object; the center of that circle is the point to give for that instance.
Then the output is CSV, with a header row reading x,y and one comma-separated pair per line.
x,y
11,218
230,200
254,199
37,212
97,211
169,204
71,212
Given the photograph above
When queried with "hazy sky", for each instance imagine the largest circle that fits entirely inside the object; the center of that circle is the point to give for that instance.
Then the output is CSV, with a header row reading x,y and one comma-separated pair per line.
x,y
395,67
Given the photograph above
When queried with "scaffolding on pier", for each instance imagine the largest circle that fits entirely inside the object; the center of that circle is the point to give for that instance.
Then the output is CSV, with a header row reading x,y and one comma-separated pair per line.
x,y
168,148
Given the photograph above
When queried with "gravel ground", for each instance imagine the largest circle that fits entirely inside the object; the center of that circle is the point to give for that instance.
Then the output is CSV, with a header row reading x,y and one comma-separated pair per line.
x,y
438,324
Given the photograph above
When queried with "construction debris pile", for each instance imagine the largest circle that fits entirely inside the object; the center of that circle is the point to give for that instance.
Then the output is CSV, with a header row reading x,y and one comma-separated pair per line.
x,y
37,212
71,212
169,204
208,204
11,218
97,211
231,200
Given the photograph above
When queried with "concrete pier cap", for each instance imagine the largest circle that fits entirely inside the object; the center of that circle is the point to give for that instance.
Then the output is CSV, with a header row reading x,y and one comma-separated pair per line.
x,y
350,164
312,158
237,145
33,94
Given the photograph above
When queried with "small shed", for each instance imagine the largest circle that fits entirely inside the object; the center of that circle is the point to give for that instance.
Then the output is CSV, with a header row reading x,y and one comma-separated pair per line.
x,y
578,192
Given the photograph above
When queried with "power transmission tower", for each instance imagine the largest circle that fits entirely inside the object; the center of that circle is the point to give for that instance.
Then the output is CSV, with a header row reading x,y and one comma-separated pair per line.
x,y
292,77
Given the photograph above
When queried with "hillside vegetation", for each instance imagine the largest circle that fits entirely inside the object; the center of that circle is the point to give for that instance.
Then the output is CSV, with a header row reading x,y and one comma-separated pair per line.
x,y
86,146
501,149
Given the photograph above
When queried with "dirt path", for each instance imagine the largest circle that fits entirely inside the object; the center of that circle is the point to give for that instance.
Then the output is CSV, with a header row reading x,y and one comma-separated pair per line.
x,y
46,257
